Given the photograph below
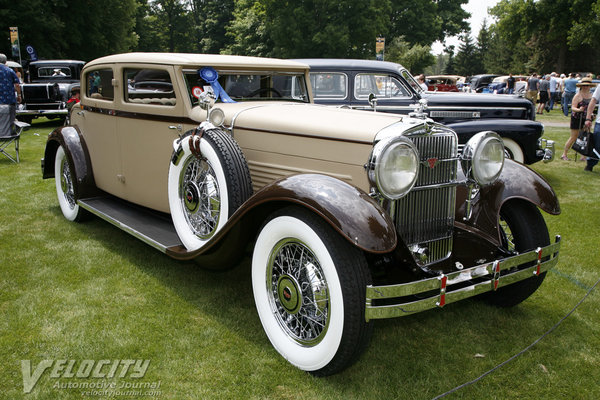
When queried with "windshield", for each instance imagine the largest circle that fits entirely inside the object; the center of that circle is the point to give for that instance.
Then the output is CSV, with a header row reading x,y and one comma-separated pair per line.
x,y
52,71
252,86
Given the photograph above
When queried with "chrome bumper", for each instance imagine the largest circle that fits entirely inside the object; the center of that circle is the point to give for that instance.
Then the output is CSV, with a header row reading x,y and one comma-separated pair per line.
x,y
546,150
488,275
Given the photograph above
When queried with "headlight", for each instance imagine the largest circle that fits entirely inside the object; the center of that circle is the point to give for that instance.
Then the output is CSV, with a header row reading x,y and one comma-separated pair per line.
x,y
394,166
483,158
216,116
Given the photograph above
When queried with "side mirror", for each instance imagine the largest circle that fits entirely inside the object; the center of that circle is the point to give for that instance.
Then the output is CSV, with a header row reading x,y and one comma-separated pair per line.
x,y
373,101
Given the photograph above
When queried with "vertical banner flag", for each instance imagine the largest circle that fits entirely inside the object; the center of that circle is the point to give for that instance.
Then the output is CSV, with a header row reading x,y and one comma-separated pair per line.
x,y
14,43
380,48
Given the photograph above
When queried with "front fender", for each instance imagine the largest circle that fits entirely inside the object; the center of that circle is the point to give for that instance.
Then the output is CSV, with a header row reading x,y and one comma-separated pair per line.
x,y
515,182
76,150
349,210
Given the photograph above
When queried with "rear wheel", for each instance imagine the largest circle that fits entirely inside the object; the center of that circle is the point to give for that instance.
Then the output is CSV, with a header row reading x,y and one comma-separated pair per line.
x,y
522,228
65,187
309,289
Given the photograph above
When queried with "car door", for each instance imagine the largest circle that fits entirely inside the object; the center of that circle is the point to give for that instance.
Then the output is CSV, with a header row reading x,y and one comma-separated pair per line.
x,y
98,126
152,117
392,93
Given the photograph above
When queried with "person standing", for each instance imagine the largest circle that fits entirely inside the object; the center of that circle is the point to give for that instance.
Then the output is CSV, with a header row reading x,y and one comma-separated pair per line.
x,y
544,88
591,162
578,113
554,86
570,89
532,88
510,84
9,85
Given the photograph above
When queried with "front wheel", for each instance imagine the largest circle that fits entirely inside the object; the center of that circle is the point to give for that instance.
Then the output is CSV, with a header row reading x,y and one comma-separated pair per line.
x,y
309,288
522,228
513,151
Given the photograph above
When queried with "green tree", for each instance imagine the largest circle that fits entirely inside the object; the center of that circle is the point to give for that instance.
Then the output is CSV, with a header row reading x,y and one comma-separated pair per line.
x,y
425,21
325,28
414,58
467,60
210,19
247,32
85,29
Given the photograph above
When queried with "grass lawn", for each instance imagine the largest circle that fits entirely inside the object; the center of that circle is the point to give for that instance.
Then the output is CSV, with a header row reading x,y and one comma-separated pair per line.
x,y
88,291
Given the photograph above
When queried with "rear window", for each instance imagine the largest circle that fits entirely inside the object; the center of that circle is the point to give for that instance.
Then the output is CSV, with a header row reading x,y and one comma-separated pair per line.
x,y
149,86
329,85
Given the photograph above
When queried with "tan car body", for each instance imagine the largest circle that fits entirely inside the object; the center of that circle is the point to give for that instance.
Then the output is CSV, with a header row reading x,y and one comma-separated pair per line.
x,y
277,139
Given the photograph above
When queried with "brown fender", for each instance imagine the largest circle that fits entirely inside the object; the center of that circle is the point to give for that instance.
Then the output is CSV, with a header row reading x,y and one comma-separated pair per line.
x,y
349,210
516,182
78,156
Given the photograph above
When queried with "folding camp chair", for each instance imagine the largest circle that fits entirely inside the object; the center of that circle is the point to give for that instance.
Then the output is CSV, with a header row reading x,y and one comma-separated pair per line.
x,y
10,133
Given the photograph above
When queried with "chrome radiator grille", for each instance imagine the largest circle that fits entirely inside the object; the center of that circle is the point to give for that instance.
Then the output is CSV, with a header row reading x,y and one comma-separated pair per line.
x,y
425,217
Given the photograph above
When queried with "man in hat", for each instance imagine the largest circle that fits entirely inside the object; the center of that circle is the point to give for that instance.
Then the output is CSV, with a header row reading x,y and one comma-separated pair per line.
x,y
592,161
9,84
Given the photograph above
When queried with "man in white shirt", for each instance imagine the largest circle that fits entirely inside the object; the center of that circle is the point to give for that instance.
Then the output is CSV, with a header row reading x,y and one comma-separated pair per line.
x,y
591,161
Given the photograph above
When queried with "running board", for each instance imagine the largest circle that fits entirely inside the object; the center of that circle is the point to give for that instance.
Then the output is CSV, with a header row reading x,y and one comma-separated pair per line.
x,y
151,227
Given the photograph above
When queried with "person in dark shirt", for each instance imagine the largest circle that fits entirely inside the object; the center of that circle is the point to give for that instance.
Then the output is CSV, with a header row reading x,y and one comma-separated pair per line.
x,y
510,84
544,88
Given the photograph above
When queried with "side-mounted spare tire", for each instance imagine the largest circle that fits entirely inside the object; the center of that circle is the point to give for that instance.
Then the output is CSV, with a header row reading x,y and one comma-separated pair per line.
x,y
209,180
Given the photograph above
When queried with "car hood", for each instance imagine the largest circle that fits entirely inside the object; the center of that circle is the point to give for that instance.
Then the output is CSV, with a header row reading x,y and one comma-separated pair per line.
x,y
309,120
475,100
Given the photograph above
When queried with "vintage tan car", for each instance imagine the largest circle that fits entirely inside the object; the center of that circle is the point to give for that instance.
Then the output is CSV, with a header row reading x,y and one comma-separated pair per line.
x,y
352,216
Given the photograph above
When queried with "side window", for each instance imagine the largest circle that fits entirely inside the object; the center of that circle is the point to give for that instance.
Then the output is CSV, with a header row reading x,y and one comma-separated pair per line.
x,y
99,84
382,86
148,86
329,85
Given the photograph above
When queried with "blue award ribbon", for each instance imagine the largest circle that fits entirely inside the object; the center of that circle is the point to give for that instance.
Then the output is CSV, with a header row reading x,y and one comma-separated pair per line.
x,y
211,77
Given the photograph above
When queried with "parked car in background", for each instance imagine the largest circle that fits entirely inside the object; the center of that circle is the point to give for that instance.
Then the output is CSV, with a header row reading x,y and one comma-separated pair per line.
x,y
479,83
499,84
351,216
48,89
340,82
443,83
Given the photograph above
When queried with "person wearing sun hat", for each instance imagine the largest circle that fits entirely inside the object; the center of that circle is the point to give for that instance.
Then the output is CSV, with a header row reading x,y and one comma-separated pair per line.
x,y
578,112
591,162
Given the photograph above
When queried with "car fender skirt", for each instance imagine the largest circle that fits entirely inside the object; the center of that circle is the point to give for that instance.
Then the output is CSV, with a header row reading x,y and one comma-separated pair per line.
x,y
76,150
349,210
515,182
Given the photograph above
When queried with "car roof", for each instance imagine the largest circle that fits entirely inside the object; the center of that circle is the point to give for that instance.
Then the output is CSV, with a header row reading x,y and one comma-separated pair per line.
x,y
342,63
56,62
191,59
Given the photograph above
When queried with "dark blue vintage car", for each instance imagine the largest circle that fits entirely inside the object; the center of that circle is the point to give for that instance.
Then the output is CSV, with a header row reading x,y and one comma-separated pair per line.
x,y
340,82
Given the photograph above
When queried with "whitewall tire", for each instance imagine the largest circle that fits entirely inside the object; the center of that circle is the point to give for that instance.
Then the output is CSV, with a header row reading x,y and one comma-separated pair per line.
x,y
513,150
65,189
309,289
205,189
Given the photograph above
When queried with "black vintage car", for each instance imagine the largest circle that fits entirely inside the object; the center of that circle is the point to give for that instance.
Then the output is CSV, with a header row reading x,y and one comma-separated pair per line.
x,y
48,88
351,83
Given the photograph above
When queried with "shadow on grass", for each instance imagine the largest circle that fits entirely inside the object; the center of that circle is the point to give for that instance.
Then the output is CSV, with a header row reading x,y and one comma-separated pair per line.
x,y
427,351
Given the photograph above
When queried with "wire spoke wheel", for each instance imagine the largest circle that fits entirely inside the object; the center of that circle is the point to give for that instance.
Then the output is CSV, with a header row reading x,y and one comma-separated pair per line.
x,y
298,292
200,197
66,183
